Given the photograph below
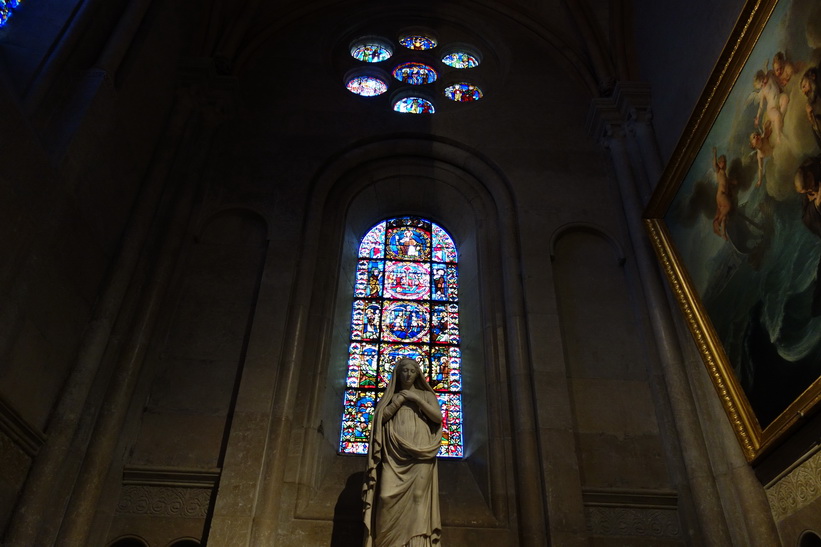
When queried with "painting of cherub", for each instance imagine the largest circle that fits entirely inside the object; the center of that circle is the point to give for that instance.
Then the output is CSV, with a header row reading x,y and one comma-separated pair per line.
x,y
745,220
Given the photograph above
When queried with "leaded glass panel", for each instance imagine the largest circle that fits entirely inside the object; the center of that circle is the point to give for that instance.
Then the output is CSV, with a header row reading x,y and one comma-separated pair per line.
x,y
7,7
370,52
414,105
460,59
367,86
418,42
405,305
463,92
415,73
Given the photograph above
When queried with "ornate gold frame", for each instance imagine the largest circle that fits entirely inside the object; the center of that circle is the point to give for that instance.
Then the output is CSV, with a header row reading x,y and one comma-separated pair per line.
x,y
754,440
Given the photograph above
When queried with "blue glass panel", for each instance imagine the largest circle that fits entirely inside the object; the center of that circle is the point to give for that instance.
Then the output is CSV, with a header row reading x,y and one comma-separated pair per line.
x,y
444,324
414,105
445,369
453,282
460,59
368,279
463,92
362,365
418,42
367,86
415,73
439,282
371,52
373,244
6,9
365,320
391,353
407,280
356,420
405,322
404,306
451,404
443,248
408,243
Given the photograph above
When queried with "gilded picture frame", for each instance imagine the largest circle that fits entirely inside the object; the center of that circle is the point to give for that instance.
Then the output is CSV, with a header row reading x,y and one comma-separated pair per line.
x,y
736,222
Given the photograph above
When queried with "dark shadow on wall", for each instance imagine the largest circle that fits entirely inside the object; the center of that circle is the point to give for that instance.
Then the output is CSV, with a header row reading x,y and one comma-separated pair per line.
x,y
348,528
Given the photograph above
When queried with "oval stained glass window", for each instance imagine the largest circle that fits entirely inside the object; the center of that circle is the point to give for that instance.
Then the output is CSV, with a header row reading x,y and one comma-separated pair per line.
x,y
415,73
463,92
367,86
414,105
370,52
418,42
460,59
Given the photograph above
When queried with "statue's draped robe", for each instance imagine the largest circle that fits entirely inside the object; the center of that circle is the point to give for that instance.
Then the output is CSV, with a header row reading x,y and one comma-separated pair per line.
x,y
402,496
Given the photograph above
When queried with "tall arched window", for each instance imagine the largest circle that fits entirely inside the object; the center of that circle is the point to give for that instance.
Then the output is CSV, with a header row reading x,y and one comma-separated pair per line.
x,y
405,305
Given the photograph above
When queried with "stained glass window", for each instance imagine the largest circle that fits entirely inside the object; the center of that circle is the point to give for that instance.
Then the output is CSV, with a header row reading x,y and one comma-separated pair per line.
x,y
6,9
414,105
414,73
460,59
463,92
367,86
406,304
371,52
418,42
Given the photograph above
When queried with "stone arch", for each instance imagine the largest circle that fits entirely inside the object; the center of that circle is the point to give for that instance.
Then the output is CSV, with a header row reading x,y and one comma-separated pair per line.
x,y
587,228
475,15
468,197
809,538
128,541
184,542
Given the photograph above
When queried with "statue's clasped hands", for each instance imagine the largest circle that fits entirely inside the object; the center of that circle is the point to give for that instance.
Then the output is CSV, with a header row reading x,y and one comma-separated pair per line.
x,y
405,395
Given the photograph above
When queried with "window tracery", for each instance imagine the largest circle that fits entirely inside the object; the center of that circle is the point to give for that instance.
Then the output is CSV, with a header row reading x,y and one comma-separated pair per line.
x,y
413,67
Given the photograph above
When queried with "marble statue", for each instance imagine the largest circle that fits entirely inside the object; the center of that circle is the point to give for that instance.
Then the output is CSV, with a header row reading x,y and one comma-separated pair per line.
x,y
401,490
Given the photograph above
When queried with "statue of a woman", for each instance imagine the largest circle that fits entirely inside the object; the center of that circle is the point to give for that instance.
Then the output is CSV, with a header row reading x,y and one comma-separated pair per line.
x,y
401,490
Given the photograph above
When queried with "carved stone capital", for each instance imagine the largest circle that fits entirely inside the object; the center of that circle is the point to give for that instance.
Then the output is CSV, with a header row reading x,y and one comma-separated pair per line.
x,y
605,121
633,101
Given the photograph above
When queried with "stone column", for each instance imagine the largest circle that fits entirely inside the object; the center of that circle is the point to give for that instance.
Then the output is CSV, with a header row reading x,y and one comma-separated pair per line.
x,y
170,228
723,464
607,125
633,101
36,500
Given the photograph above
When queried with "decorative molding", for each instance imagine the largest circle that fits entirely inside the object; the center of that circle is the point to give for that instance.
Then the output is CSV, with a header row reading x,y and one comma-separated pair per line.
x,y
799,488
170,477
620,497
640,513
164,501
167,491
626,521
633,100
28,438
604,119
